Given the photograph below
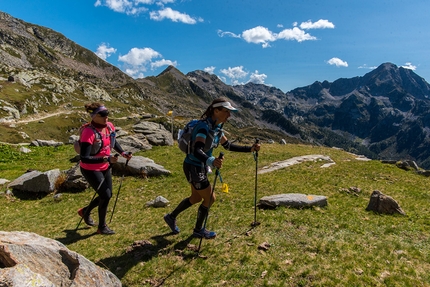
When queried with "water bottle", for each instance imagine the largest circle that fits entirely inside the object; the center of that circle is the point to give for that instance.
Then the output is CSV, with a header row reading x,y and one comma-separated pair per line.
x,y
112,139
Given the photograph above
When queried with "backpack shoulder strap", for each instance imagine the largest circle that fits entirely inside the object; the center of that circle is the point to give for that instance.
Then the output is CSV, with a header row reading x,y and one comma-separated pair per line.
x,y
98,134
110,127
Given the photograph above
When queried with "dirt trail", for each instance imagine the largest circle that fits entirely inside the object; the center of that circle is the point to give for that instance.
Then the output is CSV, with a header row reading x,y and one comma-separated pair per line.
x,y
37,117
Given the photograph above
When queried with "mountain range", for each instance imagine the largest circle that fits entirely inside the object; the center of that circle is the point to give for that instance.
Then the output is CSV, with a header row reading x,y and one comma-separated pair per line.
x,y
43,75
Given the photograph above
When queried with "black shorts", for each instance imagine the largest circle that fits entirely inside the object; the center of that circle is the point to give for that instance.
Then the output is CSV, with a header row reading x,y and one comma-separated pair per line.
x,y
196,175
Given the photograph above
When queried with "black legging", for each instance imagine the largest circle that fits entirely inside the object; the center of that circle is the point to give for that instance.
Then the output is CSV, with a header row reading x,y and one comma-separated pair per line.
x,y
94,178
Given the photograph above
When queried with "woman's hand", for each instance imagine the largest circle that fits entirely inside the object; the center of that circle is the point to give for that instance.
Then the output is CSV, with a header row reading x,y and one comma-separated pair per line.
x,y
127,155
255,147
218,162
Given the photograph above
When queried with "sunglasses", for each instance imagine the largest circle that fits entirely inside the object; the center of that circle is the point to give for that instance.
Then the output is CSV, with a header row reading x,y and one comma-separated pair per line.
x,y
103,114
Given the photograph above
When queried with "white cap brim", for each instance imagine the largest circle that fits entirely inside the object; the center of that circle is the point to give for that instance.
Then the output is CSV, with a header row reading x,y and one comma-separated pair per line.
x,y
226,105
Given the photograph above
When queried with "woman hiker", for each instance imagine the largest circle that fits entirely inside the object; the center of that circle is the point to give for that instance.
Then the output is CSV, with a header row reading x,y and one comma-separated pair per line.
x,y
96,140
206,135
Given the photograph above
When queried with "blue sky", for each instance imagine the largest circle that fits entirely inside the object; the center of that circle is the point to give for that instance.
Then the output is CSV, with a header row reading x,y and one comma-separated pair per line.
x,y
280,43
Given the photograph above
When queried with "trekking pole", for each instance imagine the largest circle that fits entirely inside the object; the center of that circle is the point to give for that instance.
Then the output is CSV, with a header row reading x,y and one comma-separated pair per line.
x,y
221,155
119,188
255,223
97,190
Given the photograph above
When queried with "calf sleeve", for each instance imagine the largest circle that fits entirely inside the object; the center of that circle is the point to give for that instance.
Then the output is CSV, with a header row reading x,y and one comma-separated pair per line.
x,y
184,204
201,216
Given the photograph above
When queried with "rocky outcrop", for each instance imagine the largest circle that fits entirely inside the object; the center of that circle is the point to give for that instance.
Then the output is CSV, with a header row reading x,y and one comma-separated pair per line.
x,y
27,259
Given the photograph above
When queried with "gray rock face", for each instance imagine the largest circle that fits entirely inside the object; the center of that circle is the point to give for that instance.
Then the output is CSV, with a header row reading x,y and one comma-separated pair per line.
x,y
296,200
28,259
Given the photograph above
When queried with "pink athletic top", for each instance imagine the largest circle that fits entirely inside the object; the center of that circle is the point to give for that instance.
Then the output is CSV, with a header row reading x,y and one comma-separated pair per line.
x,y
88,135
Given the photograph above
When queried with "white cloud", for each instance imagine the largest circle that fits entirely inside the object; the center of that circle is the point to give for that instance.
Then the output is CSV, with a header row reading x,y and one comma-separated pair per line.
x,y
163,62
366,67
209,70
295,34
162,2
259,35
135,7
409,66
137,56
228,34
262,35
130,7
337,62
104,51
320,24
175,16
257,78
234,74
138,60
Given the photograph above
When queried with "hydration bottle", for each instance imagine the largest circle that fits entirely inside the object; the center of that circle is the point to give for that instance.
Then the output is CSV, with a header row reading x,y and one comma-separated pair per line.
x,y
112,139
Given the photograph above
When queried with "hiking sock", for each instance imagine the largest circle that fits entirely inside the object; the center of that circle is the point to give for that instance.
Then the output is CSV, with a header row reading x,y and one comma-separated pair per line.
x,y
184,204
201,216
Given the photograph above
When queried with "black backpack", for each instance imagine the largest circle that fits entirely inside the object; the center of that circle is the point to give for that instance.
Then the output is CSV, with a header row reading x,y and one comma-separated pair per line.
x,y
185,135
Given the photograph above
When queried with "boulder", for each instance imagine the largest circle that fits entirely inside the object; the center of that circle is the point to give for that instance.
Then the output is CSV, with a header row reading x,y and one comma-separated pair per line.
x,y
159,201
74,181
134,144
36,181
139,166
27,259
296,200
155,133
383,204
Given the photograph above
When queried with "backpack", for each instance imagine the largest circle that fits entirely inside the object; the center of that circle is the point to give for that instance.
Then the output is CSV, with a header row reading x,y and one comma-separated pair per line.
x,y
185,135
98,142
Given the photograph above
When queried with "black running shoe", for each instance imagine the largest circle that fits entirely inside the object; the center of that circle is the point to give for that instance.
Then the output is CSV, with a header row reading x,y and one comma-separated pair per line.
x,y
204,233
172,223
105,230
87,217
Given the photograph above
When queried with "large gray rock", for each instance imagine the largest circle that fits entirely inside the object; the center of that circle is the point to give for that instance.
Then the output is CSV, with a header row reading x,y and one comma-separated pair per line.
x,y
36,181
28,259
155,133
46,143
134,143
139,166
296,200
75,181
294,160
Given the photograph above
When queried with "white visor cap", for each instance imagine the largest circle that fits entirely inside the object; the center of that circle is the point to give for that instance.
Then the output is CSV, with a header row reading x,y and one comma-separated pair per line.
x,y
226,105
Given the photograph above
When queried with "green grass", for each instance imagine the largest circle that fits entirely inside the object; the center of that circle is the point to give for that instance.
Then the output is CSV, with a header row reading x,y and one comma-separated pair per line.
x,y
340,245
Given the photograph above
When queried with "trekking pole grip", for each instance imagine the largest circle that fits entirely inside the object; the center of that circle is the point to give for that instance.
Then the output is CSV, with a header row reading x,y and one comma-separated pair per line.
x,y
126,162
257,141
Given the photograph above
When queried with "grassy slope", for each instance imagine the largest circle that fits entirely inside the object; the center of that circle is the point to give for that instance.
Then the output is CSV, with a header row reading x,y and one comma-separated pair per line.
x,y
340,245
